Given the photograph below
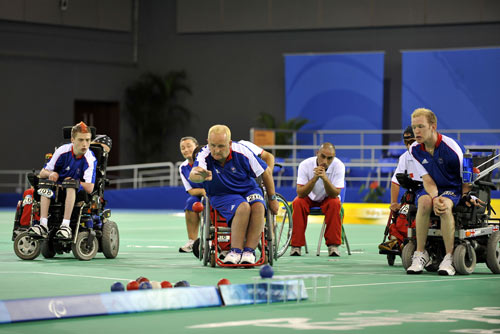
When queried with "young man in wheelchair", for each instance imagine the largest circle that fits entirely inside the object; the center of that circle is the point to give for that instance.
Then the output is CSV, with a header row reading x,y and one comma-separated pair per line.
x,y
438,160
72,166
398,230
228,170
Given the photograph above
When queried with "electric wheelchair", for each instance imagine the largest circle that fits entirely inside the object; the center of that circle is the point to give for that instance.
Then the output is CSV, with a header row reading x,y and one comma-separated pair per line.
x,y
477,235
92,229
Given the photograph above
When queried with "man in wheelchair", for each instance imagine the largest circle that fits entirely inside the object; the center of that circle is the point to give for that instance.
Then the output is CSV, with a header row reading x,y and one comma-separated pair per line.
x,y
73,166
227,170
438,159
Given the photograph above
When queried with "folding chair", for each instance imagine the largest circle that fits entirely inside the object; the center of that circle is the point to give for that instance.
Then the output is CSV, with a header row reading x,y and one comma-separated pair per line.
x,y
316,211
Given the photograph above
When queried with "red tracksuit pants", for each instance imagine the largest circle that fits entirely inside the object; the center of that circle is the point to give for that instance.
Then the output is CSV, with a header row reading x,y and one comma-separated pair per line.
x,y
331,209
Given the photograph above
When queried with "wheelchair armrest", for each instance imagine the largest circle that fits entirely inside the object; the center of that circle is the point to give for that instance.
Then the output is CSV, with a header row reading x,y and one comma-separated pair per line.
x,y
486,184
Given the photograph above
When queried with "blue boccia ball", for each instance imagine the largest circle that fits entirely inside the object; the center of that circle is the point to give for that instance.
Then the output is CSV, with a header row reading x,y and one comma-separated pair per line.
x,y
266,271
117,286
145,286
181,284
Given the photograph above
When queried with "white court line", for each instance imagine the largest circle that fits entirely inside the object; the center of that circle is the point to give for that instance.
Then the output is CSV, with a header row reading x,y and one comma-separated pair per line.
x,y
68,275
410,282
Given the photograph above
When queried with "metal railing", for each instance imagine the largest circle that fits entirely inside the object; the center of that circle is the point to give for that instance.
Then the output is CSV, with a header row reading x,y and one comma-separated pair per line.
x,y
166,173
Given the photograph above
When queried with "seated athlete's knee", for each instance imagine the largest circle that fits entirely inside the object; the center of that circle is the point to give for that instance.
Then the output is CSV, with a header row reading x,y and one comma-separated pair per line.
x,y
425,203
257,207
244,207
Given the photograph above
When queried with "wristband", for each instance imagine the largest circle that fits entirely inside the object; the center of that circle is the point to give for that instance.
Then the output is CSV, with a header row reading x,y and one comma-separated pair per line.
x,y
273,197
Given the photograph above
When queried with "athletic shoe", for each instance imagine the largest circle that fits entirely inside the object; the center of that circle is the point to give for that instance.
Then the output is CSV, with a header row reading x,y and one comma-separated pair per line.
x,y
446,266
232,258
247,258
295,251
187,248
333,250
38,231
223,254
64,233
419,261
388,245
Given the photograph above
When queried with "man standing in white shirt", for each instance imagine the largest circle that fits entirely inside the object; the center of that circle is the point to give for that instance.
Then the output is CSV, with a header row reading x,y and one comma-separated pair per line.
x,y
319,182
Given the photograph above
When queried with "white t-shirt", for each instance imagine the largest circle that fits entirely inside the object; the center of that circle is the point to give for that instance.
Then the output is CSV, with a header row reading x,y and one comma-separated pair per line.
x,y
335,173
407,163
254,148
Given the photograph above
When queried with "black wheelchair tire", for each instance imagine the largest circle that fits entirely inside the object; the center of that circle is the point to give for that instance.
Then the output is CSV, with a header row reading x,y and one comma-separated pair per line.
x,y
110,240
80,249
47,249
26,247
493,252
407,253
464,261
390,259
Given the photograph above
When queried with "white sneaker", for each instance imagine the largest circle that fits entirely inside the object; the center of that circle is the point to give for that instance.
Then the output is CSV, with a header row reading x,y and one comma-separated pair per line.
x,y
446,266
419,261
64,233
295,251
247,258
187,248
38,231
333,250
232,258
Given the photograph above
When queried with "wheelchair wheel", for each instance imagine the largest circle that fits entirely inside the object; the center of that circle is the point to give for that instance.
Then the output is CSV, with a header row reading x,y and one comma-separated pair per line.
x,y
47,249
205,233
110,240
406,255
212,259
81,248
283,225
269,242
493,252
390,259
464,261
26,247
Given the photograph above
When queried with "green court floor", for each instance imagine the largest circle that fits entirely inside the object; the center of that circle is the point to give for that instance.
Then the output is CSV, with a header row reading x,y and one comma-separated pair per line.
x,y
368,296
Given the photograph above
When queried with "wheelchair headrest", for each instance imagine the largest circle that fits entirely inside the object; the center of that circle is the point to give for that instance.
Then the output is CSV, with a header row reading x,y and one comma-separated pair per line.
x,y
408,183
98,152
67,132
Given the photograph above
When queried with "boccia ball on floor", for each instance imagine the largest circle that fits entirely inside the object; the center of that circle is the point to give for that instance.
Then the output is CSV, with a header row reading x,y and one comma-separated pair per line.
x,y
223,281
117,286
141,279
166,285
266,271
181,284
156,285
132,285
145,285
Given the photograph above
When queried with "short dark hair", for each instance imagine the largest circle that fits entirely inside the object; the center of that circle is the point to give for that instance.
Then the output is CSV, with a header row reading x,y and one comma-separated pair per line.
x,y
408,133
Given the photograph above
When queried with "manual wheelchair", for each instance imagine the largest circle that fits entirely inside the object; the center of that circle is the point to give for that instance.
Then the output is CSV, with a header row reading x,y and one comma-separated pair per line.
x,y
215,235
477,235
91,227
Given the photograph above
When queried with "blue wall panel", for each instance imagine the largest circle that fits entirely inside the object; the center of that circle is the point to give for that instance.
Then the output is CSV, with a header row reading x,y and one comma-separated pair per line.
x,y
460,86
336,92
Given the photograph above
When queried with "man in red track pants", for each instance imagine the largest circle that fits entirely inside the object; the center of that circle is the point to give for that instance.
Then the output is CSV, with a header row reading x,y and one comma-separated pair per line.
x,y
319,182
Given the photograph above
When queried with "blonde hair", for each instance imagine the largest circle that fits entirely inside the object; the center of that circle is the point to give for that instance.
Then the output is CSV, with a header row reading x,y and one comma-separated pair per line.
x,y
220,129
427,113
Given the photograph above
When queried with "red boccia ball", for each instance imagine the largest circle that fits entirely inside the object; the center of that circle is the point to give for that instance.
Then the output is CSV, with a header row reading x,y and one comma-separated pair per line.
x,y
197,207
